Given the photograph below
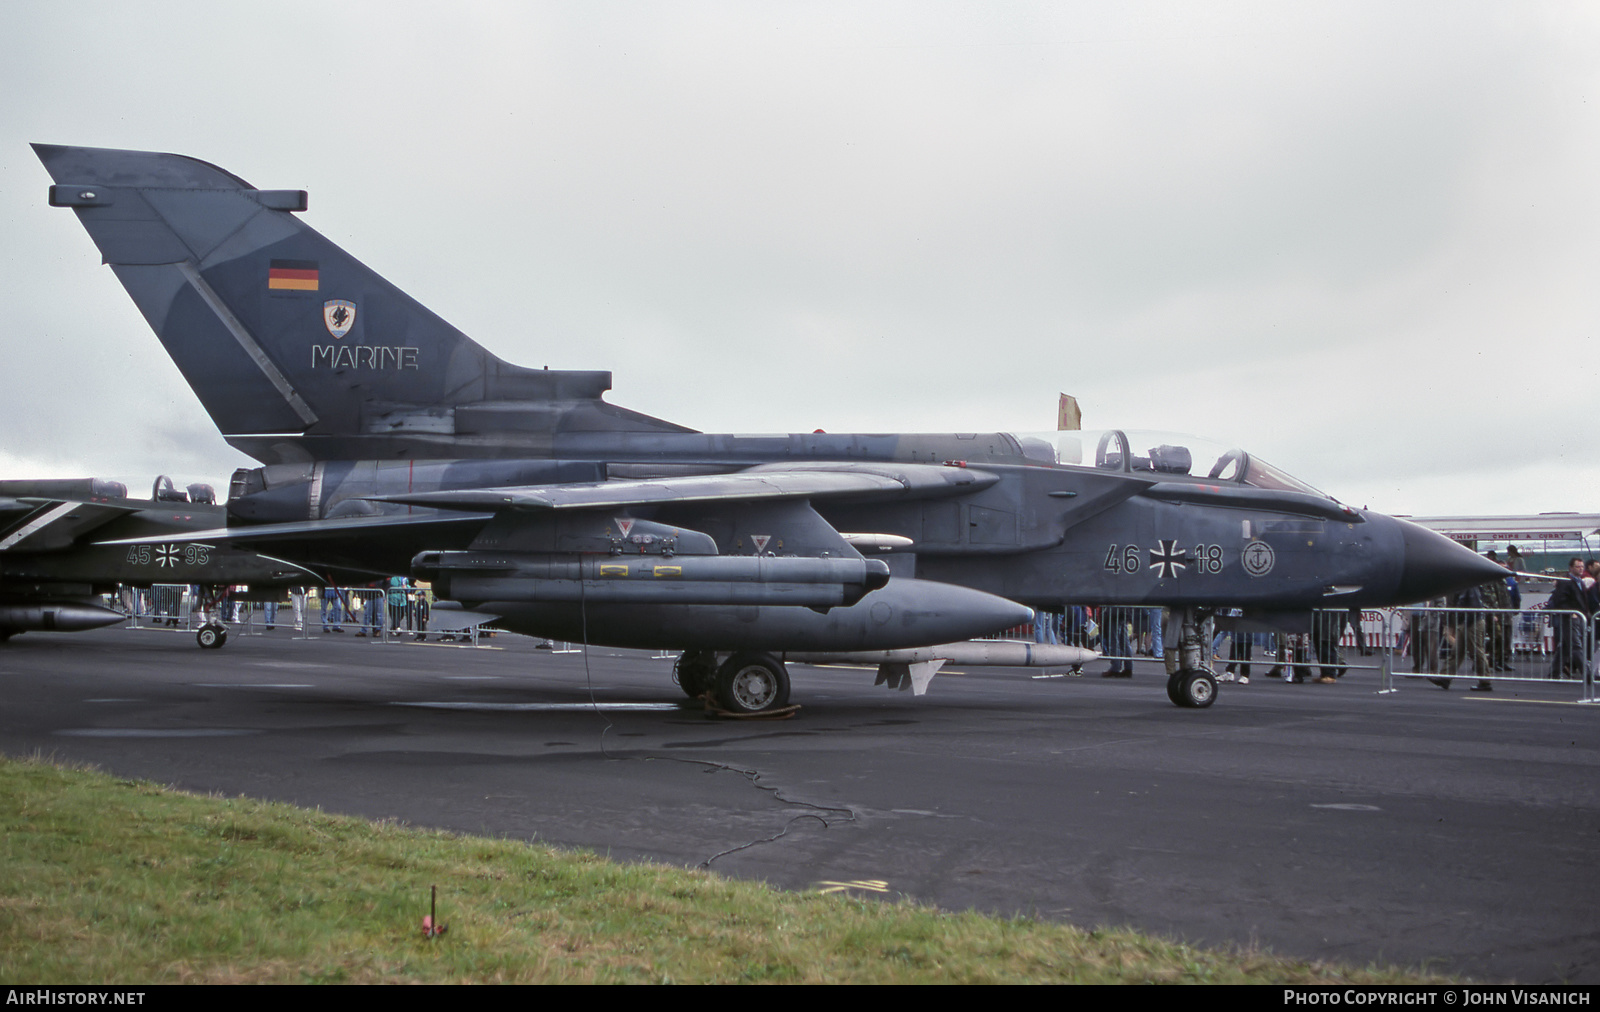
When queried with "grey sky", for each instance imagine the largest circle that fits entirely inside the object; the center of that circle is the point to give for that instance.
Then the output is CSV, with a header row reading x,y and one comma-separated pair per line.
x,y
1360,239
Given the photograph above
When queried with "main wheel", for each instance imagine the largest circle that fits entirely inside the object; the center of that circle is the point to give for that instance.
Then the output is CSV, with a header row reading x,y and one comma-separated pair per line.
x,y
1194,689
752,683
211,637
695,672
1172,688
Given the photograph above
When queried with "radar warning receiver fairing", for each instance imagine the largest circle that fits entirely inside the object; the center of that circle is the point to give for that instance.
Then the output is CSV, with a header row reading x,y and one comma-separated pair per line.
x,y
609,526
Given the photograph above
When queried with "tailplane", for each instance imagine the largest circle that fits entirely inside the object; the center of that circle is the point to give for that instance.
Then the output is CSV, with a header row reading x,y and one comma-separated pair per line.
x,y
297,349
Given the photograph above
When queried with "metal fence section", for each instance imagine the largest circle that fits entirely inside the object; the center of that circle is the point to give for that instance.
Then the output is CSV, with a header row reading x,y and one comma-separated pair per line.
x,y
1116,631
1487,644
162,605
1496,644
1372,631
1121,634
387,614
1336,642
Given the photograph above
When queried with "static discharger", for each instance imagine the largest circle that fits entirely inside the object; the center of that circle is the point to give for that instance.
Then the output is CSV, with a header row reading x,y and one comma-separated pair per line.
x,y
431,928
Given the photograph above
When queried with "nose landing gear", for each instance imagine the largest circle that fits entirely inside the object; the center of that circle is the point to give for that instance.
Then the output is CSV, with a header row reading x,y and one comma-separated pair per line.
x,y
1192,685
1194,689
211,636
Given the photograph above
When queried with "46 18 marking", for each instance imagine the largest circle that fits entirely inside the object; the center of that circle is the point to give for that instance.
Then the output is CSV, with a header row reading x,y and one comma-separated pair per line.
x,y
1207,559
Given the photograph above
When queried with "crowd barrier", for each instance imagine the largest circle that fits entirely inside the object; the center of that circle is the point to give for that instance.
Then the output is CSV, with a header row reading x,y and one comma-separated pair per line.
x,y
1423,642
1488,644
165,605
384,614
1495,644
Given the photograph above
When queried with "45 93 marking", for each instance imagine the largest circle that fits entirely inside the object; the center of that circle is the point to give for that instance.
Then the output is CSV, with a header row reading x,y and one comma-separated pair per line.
x,y
169,556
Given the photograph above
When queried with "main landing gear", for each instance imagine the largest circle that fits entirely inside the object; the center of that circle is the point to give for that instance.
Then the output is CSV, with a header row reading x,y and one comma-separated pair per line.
x,y
212,636
748,682
695,672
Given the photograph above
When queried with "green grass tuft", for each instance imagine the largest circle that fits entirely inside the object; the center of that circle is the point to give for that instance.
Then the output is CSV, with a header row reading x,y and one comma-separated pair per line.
x,y
109,880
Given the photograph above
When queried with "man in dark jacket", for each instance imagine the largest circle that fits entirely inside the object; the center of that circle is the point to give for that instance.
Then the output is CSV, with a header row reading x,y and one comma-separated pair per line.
x,y
1570,595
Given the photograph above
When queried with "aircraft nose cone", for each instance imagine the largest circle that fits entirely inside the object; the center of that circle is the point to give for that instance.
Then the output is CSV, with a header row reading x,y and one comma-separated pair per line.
x,y
1435,565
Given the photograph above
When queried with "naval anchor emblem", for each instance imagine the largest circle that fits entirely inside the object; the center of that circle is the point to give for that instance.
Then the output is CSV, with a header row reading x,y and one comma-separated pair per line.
x,y
339,316
1258,558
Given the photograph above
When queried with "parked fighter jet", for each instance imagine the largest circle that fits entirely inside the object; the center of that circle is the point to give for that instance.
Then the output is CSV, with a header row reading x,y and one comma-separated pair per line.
x,y
612,527
54,564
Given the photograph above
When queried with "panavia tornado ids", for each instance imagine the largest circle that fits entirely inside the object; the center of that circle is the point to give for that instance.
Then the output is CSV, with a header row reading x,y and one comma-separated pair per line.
x,y
581,520
54,564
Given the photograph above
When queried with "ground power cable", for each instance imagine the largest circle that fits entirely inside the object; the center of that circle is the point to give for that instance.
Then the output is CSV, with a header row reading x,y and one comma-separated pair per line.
x,y
588,676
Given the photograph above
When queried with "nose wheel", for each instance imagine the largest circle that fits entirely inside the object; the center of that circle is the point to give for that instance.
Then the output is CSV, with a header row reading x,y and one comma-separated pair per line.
x,y
211,637
1195,690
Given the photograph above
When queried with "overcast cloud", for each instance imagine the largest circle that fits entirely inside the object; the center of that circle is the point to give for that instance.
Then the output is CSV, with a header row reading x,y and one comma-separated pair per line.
x,y
1362,240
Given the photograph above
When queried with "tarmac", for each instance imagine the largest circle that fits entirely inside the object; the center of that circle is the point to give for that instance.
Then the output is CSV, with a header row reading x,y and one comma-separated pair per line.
x,y
1452,830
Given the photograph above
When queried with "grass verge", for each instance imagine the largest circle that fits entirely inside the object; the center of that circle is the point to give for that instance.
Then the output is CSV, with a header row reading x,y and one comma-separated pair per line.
x,y
120,881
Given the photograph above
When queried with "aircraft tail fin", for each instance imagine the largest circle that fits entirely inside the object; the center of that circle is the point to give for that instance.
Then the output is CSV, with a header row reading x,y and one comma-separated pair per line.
x,y
296,348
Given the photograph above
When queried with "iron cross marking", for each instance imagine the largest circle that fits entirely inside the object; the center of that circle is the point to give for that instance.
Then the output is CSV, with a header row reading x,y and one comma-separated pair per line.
x,y
1168,559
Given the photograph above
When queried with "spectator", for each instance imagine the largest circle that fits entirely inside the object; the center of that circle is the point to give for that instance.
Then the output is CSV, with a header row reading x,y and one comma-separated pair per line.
x,y
372,609
333,604
1114,635
399,595
1571,594
1467,621
297,597
1498,625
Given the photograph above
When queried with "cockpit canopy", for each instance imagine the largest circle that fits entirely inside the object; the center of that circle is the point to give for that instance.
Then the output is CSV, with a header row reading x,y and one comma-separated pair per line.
x,y
1159,453
164,491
